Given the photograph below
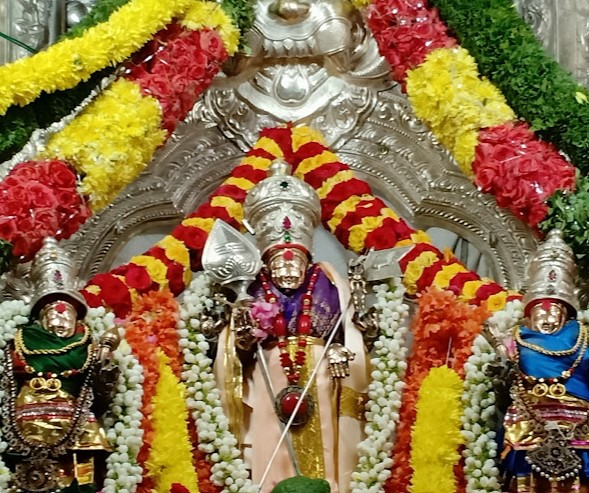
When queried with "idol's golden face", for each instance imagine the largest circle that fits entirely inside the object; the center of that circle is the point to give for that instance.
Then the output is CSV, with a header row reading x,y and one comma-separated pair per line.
x,y
548,317
287,267
60,318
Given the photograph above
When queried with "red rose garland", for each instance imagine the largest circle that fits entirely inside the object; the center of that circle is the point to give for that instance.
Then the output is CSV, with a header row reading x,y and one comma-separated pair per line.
x,y
40,199
406,32
521,171
175,67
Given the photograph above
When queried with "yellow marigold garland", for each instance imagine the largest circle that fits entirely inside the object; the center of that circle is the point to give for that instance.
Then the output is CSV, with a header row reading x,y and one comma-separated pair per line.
x,y
111,141
65,64
436,435
447,93
170,458
211,15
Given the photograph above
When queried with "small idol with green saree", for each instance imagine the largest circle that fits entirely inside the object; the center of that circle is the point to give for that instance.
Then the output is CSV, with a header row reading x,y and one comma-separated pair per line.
x,y
57,379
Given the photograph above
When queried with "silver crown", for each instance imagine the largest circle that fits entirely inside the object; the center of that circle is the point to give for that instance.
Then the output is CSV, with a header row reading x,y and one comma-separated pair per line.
x,y
282,210
551,274
54,276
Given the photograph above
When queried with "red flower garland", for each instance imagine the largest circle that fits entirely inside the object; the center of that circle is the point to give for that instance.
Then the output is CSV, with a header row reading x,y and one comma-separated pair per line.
x,y
192,234
40,199
406,31
520,171
176,67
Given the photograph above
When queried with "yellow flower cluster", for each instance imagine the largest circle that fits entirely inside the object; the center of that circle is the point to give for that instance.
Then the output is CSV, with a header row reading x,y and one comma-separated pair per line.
x,y
65,64
436,435
415,269
448,94
111,141
170,458
211,15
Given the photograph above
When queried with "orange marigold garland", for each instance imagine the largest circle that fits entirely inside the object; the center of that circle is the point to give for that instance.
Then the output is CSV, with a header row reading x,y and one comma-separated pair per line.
x,y
151,326
349,210
443,330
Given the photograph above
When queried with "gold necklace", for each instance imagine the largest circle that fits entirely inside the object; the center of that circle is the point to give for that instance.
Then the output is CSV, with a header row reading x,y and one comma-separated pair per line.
x,y
21,348
552,385
51,380
547,352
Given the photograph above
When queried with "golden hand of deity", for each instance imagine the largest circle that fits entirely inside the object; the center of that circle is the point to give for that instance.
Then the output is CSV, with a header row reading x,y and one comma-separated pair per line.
x,y
338,360
243,325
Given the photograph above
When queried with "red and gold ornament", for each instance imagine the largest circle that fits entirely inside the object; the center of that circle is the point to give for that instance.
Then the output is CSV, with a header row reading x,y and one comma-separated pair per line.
x,y
287,400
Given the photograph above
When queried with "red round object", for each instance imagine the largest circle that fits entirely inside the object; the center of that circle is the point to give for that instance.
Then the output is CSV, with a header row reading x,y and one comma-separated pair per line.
x,y
289,402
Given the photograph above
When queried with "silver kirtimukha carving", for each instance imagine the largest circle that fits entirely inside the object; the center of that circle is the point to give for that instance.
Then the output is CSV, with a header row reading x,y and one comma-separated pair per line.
x,y
311,62
551,273
282,209
230,259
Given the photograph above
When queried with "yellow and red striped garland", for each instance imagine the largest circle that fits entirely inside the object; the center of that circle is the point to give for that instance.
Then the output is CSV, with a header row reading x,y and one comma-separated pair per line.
x,y
349,210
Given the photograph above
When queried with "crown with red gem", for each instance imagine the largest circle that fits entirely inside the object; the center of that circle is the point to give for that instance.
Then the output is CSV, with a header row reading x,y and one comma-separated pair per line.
x,y
54,276
551,274
282,210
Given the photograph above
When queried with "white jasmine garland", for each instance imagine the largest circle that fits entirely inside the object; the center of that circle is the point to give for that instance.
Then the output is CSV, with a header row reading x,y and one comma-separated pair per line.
x,y
12,314
122,422
509,317
204,397
478,423
384,392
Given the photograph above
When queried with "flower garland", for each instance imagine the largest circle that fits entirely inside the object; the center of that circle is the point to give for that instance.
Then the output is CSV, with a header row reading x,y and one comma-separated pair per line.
x,y
123,420
39,199
12,314
30,149
384,391
18,123
465,111
443,334
204,397
170,458
478,422
150,328
68,62
114,137
349,210
436,436
508,52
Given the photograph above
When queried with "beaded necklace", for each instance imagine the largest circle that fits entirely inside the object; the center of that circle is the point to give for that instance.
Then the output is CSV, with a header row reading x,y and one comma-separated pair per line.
x,y
292,369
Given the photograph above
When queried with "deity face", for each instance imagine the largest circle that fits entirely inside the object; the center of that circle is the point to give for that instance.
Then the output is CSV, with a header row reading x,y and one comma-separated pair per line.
x,y
287,267
59,317
548,316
